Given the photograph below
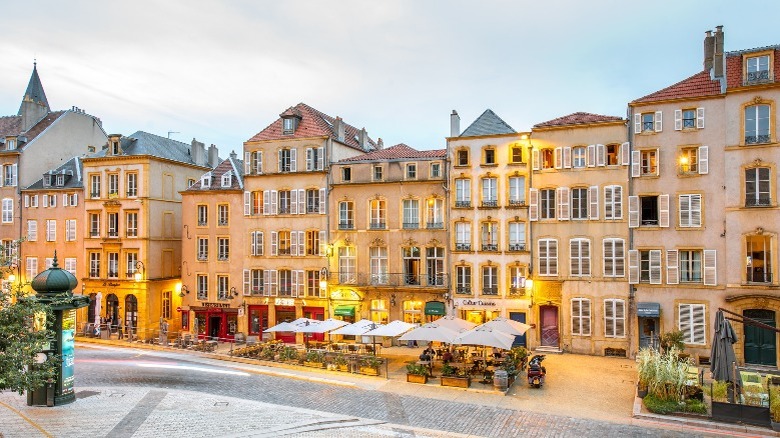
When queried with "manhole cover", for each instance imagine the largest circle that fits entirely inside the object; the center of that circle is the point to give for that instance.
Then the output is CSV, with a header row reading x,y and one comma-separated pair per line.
x,y
85,394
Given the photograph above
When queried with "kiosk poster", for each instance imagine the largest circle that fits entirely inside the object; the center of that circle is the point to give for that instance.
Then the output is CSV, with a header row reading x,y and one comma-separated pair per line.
x,y
68,334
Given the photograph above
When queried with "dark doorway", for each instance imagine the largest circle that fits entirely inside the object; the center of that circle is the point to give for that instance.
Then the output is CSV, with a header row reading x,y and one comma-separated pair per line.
x,y
520,341
760,343
548,315
648,333
131,315
215,325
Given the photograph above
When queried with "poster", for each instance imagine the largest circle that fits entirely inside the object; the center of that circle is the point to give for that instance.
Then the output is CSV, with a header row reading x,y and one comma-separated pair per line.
x,y
68,334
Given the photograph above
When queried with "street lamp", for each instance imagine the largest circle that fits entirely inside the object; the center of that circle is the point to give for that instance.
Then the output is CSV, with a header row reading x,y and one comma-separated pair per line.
x,y
183,290
139,271
529,286
233,293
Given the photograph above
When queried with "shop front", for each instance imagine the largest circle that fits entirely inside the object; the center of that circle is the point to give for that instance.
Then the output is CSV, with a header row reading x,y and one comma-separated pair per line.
x,y
215,321
434,310
316,313
257,320
477,311
285,313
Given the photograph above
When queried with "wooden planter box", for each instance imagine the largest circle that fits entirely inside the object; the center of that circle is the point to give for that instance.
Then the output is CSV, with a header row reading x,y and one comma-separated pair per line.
x,y
369,371
736,413
458,382
344,368
314,364
417,378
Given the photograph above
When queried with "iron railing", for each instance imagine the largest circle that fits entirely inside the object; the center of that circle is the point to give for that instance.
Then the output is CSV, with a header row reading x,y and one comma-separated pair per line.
x,y
517,247
462,247
462,204
760,202
758,275
489,247
757,139
389,279
490,203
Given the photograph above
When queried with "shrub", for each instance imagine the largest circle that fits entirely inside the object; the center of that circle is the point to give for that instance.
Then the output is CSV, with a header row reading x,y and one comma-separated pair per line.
x,y
315,356
420,370
664,374
672,339
719,391
371,362
340,360
695,406
774,403
660,405
288,353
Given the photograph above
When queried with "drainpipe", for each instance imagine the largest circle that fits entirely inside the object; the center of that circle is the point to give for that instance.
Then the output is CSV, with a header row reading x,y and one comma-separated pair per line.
x,y
632,315
448,232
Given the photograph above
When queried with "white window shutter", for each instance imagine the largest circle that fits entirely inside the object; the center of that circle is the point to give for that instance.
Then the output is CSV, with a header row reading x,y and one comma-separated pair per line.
x,y
294,285
617,199
45,200
274,243
659,121
309,162
302,243
637,123
710,267
696,210
672,266
293,201
593,200
293,160
655,266
266,202
322,201
704,160
253,242
575,258
700,118
274,282
280,153
633,266
533,204
301,201
75,199
293,243
14,175
323,244
266,283
259,162
633,211
684,210
535,159
65,200
247,286
320,158
26,201
678,120
663,207
601,154
567,158
609,212
260,243
625,154
247,163
699,324
562,193
247,203
558,156
591,156
274,202
636,162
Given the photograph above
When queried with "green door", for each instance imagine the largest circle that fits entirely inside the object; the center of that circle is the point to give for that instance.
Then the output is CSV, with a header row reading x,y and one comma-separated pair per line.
x,y
760,343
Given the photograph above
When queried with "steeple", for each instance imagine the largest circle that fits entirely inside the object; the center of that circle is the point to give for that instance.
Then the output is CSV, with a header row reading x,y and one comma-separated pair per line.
x,y
34,104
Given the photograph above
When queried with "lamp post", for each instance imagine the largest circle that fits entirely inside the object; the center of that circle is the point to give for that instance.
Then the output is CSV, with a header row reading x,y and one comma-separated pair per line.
x,y
139,271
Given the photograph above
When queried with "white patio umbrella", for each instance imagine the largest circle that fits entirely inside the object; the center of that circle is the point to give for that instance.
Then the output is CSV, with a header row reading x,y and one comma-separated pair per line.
x,y
485,336
507,326
356,329
455,323
394,328
320,326
431,332
290,326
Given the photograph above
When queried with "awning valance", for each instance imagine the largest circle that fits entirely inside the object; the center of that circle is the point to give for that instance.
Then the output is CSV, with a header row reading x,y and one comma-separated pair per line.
x,y
344,311
648,310
435,308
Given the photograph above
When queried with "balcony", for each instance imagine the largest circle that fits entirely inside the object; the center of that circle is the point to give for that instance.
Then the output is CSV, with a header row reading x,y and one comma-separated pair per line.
x,y
94,233
283,251
757,77
222,222
411,225
517,291
758,275
462,247
462,204
650,222
113,274
113,234
257,291
517,202
203,223
94,273
760,202
757,139
389,279
490,290
284,209
463,290
435,225
490,247
132,193
517,247
381,225
346,225
489,203
313,208
222,258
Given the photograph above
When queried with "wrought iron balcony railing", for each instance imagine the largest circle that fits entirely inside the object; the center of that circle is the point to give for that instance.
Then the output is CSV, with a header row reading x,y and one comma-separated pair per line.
x,y
517,291
377,225
389,279
411,225
462,247
759,275
517,202
463,290
760,202
462,204
434,225
517,246
284,209
203,257
203,223
757,139
489,203
757,77
490,290
346,225
489,247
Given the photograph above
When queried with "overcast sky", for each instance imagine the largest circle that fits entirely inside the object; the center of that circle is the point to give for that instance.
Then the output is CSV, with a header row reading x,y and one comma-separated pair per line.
x,y
221,71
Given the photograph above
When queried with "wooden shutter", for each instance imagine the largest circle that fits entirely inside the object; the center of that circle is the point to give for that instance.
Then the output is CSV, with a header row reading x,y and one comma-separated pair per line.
x,y
633,211
593,200
322,201
567,158
247,282
636,162
672,266
274,282
633,266
658,121
266,202
575,258
609,206
585,254
700,118
259,155
552,257
698,324
293,201
663,207
294,285
558,158
45,200
678,120
620,318
704,160
253,242
320,164
301,201
710,267
563,203
309,162
27,200
535,159
323,244
274,202
591,155
609,318
293,160
695,210
637,123
576,316
625,154
294,247
533,204
247,203
601,155
617,199
274,243
585,303
684,207
247,163
75,199
267,283
684,321
301,243
64,200
655,266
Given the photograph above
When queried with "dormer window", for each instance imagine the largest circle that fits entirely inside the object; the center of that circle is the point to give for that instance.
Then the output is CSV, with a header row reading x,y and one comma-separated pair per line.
x,y
114,147
10,144
47,180
757,69
288,125
60,180
205,181
227,179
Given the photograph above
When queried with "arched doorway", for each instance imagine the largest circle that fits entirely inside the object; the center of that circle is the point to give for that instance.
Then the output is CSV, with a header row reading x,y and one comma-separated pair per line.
x,y
131,315
760,343
112,309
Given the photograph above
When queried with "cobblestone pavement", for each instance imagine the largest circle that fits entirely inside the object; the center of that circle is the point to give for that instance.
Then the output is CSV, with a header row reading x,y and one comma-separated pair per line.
x,y
129,392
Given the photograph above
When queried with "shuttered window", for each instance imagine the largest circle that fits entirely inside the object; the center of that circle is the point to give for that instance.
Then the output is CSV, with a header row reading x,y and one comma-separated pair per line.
x,y
691,322
580,316
690,210
614,258
614,318
579,257
548,257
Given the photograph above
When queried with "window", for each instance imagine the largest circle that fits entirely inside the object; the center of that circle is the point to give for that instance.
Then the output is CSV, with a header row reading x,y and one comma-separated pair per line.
x,y
70,230
411,261
203,215
548,160
517,276
203,248
579,257
131,224
649,210
202,287
166,305
51,230
32,268
257,282
757,69
223,287
462,236
462,158
8,250
548,257
312,243
516,236
9,178
613,154
547,204
613,202
114,147
94,265
95,186
378,264
113,184
113,224
435,213
313,205
759,258
113,265
130,265
614,258
757,124
377,214
489,236
489,192
378,173
411,171
33,201
32,230
205,180
691,322
690,266
132,185
347,267
284,242
649,266
434,260
411,214
489,280
578,157
94,224
313,283
757,187
222,215
649,163
288,125
254,162
688,161
346,215
73,199
516,190
515,154
580,316
287,160
70,265
346,174
648,122
688,118
463,193
435,170
10,144
256,242
690,211
463,279
8,210
579,203
315,159
227,179
490,156
614,318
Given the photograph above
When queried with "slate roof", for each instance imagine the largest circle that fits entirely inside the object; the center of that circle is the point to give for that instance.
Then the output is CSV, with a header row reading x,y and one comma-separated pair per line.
x,y
313,123
144,143
578,118
488,124
231,164
34,90
12,125
73,167
397,152
698,85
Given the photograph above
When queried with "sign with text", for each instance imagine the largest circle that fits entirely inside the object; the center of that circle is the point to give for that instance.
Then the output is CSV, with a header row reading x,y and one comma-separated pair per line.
x,y
473,302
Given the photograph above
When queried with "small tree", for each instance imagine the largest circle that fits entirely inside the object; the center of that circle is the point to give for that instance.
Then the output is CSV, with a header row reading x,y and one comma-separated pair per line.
x,y
24,333
672,339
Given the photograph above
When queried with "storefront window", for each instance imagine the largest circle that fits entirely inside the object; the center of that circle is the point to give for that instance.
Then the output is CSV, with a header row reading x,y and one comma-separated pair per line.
x,y
185,320
232,323
479,316
258,319
200,323
413,312
379,311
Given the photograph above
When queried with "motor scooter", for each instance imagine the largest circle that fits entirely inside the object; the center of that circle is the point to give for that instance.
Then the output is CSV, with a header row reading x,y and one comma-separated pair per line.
x,y
536,372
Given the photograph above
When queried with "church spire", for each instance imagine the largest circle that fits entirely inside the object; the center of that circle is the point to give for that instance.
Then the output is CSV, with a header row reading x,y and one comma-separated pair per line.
x,y
34,103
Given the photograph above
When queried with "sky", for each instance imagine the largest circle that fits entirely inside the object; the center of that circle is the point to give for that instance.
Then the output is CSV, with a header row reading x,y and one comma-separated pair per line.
x,y
221,71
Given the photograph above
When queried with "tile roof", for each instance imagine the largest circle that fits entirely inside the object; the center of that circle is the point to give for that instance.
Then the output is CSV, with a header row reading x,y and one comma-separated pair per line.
x,y
313,123
231,164
488,124
698,85
72,167
12,125
144,143
734,65
397,152
578,118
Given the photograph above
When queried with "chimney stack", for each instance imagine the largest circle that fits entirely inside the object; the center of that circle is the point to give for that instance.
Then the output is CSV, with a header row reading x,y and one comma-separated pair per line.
x,y
718,58
213,156
233,155
454,124
709,50
198,152
380,144
339,128
362,139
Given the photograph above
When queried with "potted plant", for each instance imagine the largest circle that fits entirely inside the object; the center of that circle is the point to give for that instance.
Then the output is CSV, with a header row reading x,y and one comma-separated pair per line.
x,y
451,376
370,365
289,354
416,373
774,407
340,361
645,371
314,359
673,339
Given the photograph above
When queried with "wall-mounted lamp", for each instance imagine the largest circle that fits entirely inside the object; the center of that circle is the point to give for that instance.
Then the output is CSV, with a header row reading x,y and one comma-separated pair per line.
x,y
183,290
329,250
233,293
392,300
139,271
529,286
446,296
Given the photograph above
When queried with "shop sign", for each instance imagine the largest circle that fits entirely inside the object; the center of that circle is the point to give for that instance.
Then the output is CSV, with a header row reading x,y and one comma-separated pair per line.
x,y
345,294
68,337
216,305
284,302
470,302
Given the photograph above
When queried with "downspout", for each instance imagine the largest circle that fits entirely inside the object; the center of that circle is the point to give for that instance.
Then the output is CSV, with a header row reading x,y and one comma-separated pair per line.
x,y
447,257
632,305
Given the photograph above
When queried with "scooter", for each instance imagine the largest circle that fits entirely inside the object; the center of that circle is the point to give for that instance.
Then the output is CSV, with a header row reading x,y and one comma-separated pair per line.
x,y
536,371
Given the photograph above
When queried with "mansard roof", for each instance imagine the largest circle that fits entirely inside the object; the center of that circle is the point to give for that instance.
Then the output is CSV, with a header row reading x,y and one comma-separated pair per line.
x,y
144,143
73,171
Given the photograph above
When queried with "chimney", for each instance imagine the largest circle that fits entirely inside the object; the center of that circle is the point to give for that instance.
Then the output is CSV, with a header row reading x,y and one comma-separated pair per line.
x,y
454,124
718,58
339,128
362,139
233,155
380,144
198,152
213,156
709,50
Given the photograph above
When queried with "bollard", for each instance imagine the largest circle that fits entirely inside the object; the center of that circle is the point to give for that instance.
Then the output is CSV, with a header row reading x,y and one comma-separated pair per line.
x,y
501,380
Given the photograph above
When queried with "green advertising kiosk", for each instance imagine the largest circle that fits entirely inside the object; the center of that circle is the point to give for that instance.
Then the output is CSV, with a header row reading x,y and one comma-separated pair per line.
x,y
54,287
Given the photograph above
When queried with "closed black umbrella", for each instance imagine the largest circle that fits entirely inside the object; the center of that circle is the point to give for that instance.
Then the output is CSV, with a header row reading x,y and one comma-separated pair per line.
x,y
722,357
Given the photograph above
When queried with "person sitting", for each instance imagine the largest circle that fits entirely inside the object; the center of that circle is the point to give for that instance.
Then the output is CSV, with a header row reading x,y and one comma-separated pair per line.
x,y
430,351
496,353
446,357
425,356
